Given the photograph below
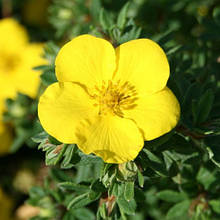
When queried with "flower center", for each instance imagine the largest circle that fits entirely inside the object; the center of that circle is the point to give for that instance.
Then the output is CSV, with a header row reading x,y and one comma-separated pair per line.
x,y
8,62
115,97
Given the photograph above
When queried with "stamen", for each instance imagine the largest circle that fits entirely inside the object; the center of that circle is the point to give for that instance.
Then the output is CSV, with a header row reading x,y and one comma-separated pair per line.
x,y
113,97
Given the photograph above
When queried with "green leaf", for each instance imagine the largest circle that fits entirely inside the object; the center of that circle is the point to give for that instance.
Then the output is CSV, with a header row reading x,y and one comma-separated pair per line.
x,y
204,107
125,206
68,155
84,214
88,159
75,187
18,142
140,179
206,177
173,50
216,15
94,195
48,77
129,191
53,157
37,192
178,211
95,9
134,33
105,20
155,162
102,211
171,196
211,157
159,141
215,204
59,175
40,137
79,201
122,16
98,186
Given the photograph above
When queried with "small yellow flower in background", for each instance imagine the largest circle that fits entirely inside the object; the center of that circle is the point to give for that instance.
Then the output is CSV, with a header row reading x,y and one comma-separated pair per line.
x,y
109,101
17,58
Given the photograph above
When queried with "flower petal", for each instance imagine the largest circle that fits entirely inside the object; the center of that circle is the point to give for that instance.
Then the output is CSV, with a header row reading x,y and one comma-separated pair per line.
x,y
115,139
61,108
21,77
87,60
25,79
13,35
156,114
144,64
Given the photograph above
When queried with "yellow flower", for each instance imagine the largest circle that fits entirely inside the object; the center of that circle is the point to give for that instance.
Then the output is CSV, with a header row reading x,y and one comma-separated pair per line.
x,y
17,58
109,101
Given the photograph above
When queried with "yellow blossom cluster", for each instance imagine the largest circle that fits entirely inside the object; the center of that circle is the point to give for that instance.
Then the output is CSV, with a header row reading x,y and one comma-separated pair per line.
x,y
17,58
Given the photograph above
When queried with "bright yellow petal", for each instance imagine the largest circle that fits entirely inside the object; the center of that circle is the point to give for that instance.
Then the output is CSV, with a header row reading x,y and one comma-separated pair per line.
x,y
21,77
62,107
87,60
115,139
13,35
155,114
26,80
143,63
